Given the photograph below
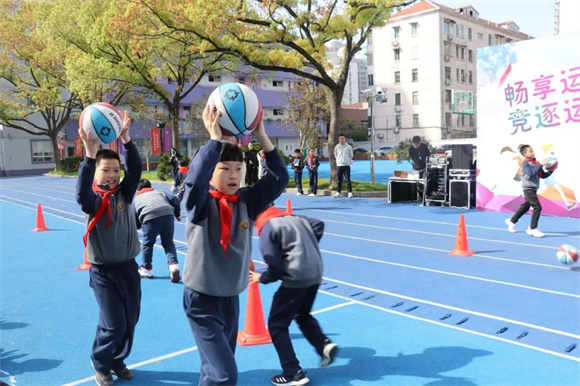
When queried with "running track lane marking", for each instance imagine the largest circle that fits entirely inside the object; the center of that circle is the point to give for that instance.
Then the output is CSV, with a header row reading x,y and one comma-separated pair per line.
x,y
192,349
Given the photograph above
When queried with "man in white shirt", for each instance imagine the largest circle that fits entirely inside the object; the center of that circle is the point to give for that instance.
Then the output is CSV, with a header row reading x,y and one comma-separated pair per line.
x,y
343,154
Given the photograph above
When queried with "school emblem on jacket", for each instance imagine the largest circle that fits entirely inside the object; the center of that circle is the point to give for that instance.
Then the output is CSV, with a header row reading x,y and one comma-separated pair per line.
x,y
244,225
121,206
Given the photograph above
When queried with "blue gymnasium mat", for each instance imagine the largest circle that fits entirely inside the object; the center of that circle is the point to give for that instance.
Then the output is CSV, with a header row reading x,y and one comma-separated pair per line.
x,y
376,256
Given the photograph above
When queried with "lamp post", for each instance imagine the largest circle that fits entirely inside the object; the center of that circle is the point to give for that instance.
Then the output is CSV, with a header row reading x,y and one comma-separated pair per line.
x,y
374,95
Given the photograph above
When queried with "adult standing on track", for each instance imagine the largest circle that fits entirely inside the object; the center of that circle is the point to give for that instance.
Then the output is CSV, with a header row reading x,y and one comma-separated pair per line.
x,y
343,154
252,165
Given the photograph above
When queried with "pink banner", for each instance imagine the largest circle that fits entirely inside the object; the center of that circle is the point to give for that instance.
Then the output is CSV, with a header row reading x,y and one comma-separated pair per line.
x,y
167,142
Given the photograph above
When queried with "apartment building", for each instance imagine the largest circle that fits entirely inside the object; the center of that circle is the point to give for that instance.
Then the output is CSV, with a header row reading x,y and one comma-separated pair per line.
x,y
422,55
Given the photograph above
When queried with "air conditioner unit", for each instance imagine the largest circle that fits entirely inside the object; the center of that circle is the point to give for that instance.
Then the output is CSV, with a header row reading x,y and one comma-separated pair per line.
x,y
398,109
447,82
396,129
380,135
395,43
447,58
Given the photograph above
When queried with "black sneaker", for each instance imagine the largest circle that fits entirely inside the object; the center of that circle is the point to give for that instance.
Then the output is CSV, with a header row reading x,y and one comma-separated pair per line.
x,y
291,380
104,379
124,374
328,353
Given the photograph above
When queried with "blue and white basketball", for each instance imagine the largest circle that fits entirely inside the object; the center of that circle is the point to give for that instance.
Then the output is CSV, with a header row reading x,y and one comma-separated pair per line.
x,y
103,121
241,110
567,254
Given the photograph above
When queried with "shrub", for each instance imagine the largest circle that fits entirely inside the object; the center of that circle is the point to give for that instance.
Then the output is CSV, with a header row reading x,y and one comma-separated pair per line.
x,y
70,164
164,168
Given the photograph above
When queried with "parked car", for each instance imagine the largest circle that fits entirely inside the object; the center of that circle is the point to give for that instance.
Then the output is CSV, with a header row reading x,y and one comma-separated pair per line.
x,y
384,150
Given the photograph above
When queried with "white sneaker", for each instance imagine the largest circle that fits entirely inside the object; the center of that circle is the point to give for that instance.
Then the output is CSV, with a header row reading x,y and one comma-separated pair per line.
x,y
337,195
349,195
312,195
299,194
534,232
145,273
511,225
174,273
328,354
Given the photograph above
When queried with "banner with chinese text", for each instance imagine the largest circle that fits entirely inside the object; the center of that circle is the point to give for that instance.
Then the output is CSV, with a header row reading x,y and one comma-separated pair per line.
x,y
167,142
155,141
529,94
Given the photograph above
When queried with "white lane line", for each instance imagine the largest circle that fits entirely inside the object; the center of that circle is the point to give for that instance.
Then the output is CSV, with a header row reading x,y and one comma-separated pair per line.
x,y
458,309
436,234
442,250
350,303
351,214
455,274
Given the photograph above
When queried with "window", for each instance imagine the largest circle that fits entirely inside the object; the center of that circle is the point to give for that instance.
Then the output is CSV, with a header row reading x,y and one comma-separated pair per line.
x,y
398,120
470,55
397,99
448,73
462,76
214,78
457,75
186,111
448,96
370,76
457,51
489,39
278,83
462,53
469,33
470,77
41,151
415,97
415,75
456,29
461,31
369,59
471,121
396,31
446,27
397,76
278,112
415,120
413,29
448,119
242,80
480,36
397,54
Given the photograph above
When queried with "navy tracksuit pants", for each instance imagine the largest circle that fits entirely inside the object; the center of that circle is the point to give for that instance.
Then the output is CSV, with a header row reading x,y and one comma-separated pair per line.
x,y
214,322
164,227
288,304
313,179
117,288
298,180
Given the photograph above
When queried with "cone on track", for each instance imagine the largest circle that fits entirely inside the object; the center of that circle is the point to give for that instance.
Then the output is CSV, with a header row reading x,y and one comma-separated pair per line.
x,y
255,331
85,265
461,248
40,227
289,207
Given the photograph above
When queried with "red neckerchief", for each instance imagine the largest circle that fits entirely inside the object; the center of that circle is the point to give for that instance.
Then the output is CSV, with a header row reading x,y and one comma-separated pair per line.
x,y
268,214
105,206
226,213
310,157
536,163
145,190
183,169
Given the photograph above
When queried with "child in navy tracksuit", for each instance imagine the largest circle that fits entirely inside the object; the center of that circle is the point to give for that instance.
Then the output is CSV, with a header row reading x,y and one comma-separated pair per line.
x,y
220,216
298,166
155,211
180,179
312,164
289,245
532,171
111,245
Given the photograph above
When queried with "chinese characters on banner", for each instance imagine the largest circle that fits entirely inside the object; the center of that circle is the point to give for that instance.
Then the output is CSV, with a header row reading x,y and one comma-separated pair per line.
x,y
166,140
78,147
155,141
535,102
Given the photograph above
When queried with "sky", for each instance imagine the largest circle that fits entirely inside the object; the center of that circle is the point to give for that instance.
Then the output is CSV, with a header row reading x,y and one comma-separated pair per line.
x,y
534,17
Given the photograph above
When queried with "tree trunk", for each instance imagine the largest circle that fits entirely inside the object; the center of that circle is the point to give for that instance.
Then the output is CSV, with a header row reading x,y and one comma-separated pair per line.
x,y
56,154
334,103
174,117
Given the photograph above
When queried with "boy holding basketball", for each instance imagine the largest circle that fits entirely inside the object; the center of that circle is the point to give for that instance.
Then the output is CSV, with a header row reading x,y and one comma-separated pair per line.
x,y
289,245
111,245
532,171
220,216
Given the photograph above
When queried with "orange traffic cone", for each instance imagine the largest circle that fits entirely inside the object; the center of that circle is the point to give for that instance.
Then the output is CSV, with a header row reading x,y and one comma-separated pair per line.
x,y
255,331
40,227
85,265
289,207
461,248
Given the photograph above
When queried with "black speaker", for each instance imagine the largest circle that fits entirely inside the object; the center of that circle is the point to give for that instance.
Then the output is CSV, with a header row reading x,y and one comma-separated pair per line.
x,y
461,156
402,191
462,193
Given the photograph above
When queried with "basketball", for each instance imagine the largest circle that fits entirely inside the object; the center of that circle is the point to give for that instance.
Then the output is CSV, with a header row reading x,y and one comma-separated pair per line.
x,y
567,254
240,108
103,121
552,164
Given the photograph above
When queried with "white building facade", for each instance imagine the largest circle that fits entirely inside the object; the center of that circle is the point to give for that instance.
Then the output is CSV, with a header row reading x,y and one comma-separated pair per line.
x,y
421,56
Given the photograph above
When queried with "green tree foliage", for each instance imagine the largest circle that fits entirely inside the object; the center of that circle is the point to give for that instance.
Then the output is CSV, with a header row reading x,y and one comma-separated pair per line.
x,y
283,35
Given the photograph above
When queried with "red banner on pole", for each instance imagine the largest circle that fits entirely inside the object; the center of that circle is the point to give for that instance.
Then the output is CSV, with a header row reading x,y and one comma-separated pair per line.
x,y
78,147
155,141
